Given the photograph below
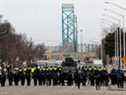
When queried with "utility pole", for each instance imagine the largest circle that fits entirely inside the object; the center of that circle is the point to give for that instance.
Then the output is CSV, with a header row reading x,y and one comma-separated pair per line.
x,y
81,43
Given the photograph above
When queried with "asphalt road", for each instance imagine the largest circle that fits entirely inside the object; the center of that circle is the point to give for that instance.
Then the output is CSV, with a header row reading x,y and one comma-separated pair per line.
x,y
43,90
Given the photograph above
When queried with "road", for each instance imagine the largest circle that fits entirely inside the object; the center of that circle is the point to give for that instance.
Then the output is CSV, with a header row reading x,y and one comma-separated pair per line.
x,y
19,90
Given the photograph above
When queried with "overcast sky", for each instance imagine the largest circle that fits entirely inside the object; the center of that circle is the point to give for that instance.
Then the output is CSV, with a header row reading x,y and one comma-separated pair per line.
x,y
41,19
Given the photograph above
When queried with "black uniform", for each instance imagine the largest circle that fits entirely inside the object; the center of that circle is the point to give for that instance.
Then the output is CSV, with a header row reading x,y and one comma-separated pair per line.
x,y
16,77
98,79
113,77
69,78
55,77
2,77
35,76
84,77
62,78
22,77
28,76
40,77
77,79
49,77
10,76
120,78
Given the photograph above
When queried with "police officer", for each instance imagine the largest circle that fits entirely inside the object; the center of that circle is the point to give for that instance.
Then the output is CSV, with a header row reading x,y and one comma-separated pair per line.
x,y
16,76
10,76
113,76
91,76
55,76
77,78
28,75
43,74
47,76
98,79
84,77
105,77
120,78
22,76
0,73
3,76
40,76
60,70
35,75
50,76
62,78
69,78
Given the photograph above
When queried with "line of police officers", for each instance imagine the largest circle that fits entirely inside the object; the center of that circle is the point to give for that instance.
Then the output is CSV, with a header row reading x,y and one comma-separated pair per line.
x,y
94,76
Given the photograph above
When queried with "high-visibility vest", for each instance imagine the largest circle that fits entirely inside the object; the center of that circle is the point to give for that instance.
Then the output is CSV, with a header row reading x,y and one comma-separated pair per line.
x,y
32,70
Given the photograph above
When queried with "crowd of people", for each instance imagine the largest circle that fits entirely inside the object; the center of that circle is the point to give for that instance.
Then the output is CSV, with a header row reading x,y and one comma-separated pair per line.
x,y
56,76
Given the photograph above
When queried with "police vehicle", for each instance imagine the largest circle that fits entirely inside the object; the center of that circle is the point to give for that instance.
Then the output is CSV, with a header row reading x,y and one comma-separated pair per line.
x,y
69,65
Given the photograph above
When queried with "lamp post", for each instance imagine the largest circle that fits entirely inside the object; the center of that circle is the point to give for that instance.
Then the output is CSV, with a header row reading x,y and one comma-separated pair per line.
x,y
81,44
81,39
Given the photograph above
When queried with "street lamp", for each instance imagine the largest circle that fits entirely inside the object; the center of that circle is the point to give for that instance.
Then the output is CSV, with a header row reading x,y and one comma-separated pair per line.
x,y
81,39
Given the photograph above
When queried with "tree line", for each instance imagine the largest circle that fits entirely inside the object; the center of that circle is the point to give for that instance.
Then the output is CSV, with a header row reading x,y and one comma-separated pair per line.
x,y
16,48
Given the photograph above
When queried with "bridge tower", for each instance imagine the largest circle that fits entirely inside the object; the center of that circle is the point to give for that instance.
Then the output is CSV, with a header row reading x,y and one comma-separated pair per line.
x,y
69,28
